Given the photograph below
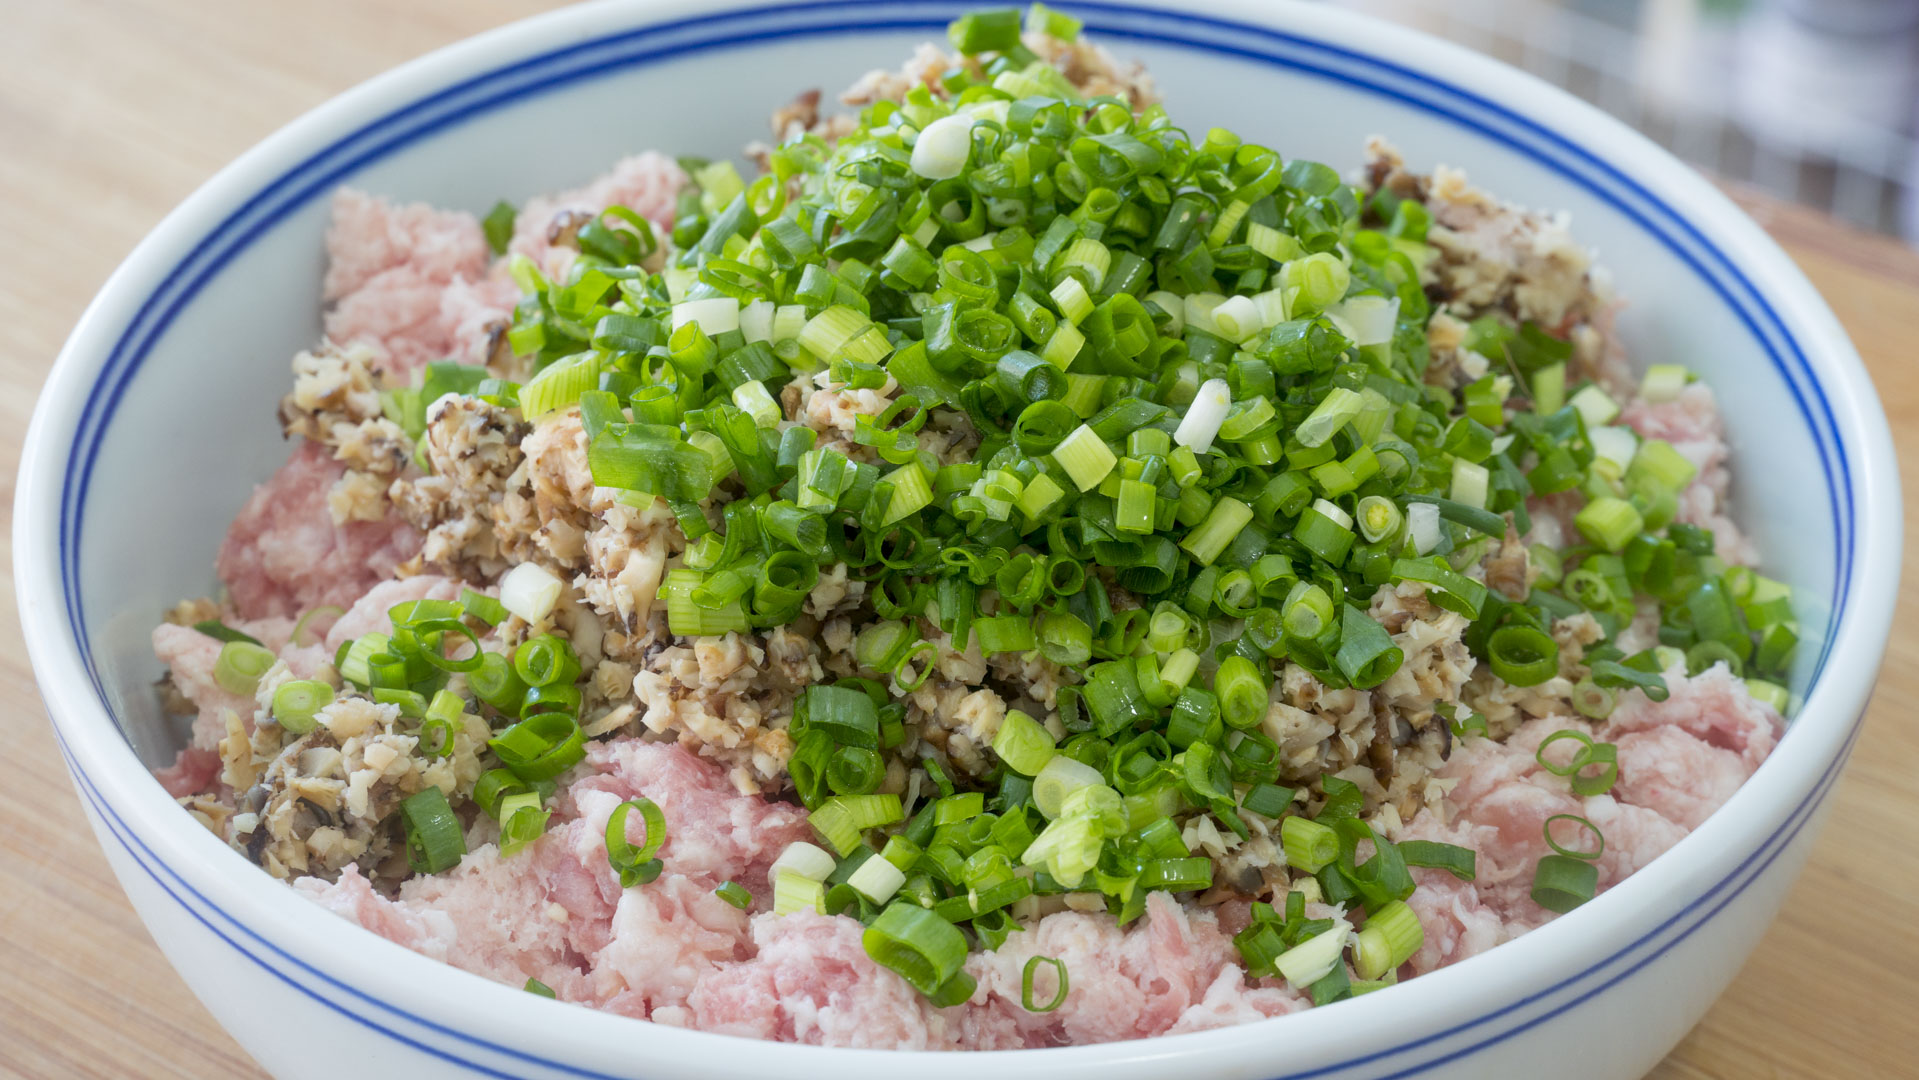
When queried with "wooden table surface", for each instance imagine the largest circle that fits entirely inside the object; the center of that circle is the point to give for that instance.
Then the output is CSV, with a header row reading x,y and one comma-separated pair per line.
x,y
111,111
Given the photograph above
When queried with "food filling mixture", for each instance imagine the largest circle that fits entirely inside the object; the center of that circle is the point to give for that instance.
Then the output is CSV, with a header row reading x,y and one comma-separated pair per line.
x,y
1013,572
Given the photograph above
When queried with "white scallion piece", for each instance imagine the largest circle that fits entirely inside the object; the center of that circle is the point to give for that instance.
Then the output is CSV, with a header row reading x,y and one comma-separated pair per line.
x,y
1331,509
1272,307
1200,426
941,150
1369,320
1312,960
877,880
530,591
715,314
807,860
1199,311
1595,405
1470,483
1422,524
1059,778
757,402
1616,444
1237,318
1663,382
788,321
756,321
679,279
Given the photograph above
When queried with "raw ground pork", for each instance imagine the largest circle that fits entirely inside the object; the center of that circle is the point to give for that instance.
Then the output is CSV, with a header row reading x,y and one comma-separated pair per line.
x,y
1679,760
284,554
674,953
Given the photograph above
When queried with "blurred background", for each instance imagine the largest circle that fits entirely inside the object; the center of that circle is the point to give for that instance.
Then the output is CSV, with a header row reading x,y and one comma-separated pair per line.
x,y
1812,101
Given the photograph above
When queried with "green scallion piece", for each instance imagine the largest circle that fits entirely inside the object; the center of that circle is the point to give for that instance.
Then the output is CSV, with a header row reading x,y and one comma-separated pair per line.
x,y
1561,884
1029,977
297,703
635,865
434,841
919,946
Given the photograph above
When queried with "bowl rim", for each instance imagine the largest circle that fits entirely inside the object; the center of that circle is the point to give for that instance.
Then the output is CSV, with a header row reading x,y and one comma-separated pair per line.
x,y
188,862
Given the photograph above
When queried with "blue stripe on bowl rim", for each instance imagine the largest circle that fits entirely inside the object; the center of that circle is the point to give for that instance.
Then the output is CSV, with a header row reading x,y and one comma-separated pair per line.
x,y
514,82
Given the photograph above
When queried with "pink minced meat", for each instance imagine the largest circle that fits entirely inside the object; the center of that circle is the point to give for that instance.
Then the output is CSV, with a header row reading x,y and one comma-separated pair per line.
x,y
673,952
190,657
1175,970
194,770
283,554
556,912
648,184
1691,423
811,981
1679,760
397,279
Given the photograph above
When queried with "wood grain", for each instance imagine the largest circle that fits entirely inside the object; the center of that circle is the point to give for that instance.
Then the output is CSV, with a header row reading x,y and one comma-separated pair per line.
x,y
111,111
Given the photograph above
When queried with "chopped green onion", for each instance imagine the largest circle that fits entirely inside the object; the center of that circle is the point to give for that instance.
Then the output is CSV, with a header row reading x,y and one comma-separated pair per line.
x,y
1085,457
1059,778
635,866
1023,744
919,946
1309,845
792,893
1460,862
297,703
541,747
523,819
877,880
218,630
1392,935
1522,655
1311,960
1028,974
803,859
434,841
1609,522
1222,525
530,591
239,666
1561,884
1599,839
1663,382
1595,406
1241,692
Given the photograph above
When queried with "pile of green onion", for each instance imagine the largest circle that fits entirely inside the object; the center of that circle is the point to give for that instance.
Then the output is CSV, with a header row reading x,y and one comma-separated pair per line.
x,y
1205,441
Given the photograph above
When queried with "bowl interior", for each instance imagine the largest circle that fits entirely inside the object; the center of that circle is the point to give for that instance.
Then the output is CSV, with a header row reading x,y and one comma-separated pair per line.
x,y
182,422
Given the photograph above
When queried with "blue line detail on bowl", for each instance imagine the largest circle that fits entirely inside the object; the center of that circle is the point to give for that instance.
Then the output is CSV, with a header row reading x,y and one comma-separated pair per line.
x,y
295,188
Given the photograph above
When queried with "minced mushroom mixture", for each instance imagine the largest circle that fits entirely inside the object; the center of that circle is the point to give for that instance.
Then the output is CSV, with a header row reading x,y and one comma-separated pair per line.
x,y
1010,574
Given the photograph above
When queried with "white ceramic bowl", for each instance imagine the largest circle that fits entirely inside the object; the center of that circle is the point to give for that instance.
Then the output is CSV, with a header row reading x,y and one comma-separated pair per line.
x,y
158,417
